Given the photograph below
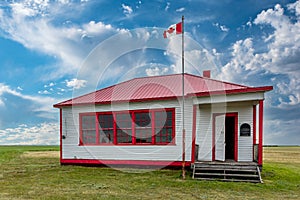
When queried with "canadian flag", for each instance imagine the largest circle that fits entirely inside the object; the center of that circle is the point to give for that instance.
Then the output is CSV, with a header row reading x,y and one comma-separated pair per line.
x,y
173,30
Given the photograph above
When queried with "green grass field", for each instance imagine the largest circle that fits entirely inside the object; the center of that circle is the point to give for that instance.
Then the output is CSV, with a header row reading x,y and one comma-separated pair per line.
x,y
30,172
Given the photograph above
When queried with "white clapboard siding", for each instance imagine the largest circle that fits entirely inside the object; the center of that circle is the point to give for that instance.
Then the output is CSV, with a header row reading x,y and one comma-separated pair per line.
x,y
71,148
204,128
245,143
204,133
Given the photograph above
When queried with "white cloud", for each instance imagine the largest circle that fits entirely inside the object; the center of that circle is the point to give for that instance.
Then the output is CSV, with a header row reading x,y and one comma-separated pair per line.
x,y
157,69
19,88
244,62
281,132
41,134
127,10
51,84
167,6
93,28
295,7
280,57
75,83
39,103
249,23
222,27
180,9
197,58
30,23
44,92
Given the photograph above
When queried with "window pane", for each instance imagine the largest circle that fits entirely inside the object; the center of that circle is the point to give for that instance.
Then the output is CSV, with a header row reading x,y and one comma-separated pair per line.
x,y
163,118
143,135
89,137
160,118
124,136
123,120
106,121
169,119
143,119
106,136
88,122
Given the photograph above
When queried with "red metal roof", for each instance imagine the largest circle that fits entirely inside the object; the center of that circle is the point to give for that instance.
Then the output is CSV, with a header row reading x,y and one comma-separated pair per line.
x,y
160,88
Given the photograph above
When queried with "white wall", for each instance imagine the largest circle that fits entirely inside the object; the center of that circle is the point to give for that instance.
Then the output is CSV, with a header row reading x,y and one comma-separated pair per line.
x,y
70,125
71,148
204,128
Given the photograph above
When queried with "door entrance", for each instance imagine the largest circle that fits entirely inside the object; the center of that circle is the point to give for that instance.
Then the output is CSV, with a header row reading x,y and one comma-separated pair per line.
x,y
229,137
224,137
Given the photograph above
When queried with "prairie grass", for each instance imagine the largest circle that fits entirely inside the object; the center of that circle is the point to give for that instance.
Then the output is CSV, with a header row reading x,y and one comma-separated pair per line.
x,y
35,173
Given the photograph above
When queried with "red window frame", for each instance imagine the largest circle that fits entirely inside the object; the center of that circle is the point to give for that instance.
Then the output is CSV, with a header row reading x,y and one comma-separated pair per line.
x,y
161,134
162,131
82,129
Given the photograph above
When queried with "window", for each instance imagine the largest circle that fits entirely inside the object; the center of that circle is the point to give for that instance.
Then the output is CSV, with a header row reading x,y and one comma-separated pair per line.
x,y
106,128
138,127
245,130
88,129
143,127
124,128
164,127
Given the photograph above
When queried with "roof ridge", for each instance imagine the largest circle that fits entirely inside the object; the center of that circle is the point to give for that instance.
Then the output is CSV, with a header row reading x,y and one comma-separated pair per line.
x,y
157,76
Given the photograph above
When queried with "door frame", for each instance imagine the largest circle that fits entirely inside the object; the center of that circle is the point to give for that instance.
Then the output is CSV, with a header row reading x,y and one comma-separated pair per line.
x,y
232,114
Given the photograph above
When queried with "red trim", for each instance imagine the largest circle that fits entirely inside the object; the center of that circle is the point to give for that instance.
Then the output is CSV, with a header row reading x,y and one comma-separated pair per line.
x,y
260,128
174,129
235,115
115,128
132,115
194,133
125,162
254,128
115,102
97,129
60,132
153,127
233,91
236,144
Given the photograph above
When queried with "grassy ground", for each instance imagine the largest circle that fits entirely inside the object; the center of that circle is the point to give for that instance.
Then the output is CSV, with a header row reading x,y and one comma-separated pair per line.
x,y
35,173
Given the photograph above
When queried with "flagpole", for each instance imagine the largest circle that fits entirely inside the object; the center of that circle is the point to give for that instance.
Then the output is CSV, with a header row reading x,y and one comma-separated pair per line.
x,y
183,129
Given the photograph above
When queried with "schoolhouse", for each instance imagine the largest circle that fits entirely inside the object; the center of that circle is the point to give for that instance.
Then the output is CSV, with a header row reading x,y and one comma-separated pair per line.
x,y
139,122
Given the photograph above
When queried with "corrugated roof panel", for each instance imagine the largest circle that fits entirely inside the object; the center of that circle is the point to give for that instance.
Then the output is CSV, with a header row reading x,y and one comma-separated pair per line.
x,y
159,87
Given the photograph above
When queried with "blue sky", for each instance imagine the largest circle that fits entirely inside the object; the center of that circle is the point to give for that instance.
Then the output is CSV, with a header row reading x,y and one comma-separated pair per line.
x,y
51,50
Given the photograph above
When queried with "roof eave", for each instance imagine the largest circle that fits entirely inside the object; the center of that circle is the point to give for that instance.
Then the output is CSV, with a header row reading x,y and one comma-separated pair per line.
x,y
234,91
60,105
